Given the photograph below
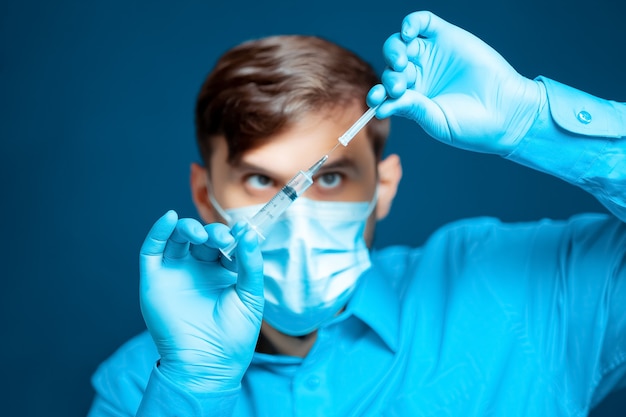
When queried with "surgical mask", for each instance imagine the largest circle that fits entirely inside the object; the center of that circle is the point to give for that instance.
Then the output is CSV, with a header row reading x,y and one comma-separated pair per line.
x,y
313,257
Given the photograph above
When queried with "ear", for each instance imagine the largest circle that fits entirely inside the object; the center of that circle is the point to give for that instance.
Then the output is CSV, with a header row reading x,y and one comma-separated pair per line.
x,y
389,175
199,181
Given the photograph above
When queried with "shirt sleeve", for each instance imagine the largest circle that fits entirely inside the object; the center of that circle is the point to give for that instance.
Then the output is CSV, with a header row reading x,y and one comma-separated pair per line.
x,y
120,381
581,139
165,399
130,384
588,303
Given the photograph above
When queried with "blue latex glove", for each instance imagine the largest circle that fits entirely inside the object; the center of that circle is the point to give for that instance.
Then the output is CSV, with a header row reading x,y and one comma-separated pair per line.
x,y
204,319
456,87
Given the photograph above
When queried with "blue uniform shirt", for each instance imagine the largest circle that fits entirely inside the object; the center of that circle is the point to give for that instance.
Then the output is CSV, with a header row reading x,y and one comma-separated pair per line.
x,y
525,319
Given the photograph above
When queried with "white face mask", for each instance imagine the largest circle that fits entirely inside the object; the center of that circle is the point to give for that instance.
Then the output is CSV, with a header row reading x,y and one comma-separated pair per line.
x,y
313,256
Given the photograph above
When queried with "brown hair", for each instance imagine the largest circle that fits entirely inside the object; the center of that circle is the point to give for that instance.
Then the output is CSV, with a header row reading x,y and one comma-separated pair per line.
x,y
260,87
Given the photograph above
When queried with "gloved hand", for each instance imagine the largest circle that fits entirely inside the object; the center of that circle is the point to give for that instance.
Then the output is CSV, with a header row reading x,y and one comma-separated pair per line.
x,y
456,87
204,319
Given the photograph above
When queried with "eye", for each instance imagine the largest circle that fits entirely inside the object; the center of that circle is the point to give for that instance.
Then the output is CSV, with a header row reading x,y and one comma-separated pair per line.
x,y
259,182
329,180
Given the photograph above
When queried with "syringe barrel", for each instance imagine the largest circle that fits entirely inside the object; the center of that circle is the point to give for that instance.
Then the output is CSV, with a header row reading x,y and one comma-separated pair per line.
x,y
298,184
274,208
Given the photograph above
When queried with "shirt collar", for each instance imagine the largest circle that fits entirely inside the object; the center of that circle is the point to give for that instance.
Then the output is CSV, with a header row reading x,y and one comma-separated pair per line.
x,y
376,304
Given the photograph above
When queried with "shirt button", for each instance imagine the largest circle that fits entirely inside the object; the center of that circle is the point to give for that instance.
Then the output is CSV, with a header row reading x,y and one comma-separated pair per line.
x,y
584,117
313,382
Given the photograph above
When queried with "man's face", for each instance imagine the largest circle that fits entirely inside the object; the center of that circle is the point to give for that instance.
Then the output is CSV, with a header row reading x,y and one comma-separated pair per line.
x,y
350,174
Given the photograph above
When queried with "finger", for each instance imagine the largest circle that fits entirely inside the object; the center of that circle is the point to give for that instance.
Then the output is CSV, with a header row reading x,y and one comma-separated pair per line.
x,y
218,237
415,51
239,227
250,265
395,83
376,95
410,75
423,24
186,231
395,52
157,237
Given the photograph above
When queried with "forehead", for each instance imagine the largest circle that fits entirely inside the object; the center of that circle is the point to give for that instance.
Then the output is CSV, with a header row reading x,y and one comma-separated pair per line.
x,y
305,142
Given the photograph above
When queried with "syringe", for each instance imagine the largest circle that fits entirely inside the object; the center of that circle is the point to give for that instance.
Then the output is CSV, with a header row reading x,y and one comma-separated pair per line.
x,y
279,203
295,187
358,125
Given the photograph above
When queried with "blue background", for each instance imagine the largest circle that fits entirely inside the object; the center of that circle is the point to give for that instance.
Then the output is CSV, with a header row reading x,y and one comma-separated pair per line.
x,y
96,133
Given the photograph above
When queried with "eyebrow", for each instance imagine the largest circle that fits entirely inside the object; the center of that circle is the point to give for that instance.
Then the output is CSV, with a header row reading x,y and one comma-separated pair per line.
x,y
342,162
247,166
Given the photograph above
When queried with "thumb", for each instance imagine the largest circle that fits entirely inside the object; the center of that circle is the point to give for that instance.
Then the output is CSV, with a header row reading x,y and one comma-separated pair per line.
x,y
152,249
250,272
422,110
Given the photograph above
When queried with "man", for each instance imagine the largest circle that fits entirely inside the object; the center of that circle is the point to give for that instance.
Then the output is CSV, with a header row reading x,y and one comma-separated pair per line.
x,y
485,319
